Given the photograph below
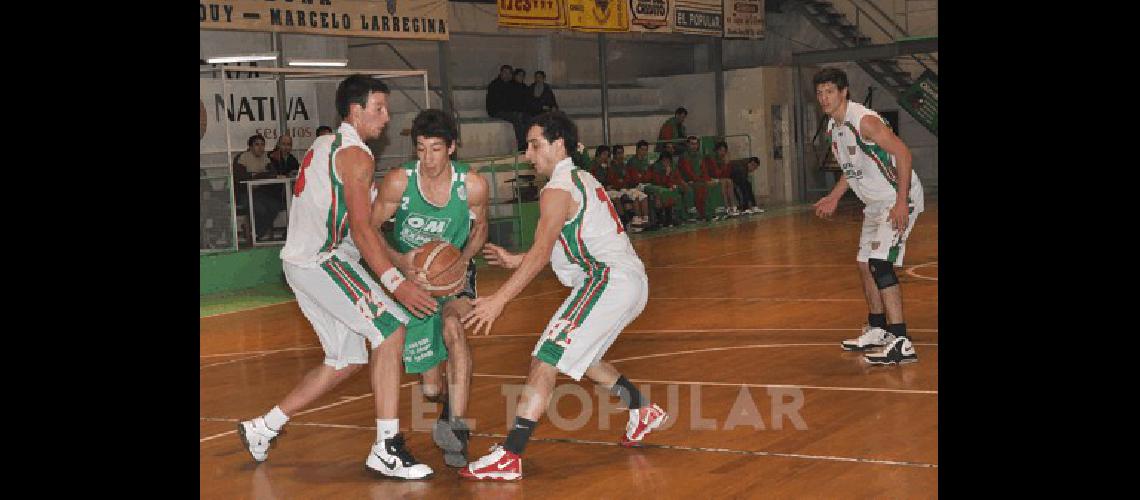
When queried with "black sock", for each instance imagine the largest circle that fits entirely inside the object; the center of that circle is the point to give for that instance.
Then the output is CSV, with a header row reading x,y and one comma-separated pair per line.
x,y
629,394
445,414
897,329
519,435
877,320
459,428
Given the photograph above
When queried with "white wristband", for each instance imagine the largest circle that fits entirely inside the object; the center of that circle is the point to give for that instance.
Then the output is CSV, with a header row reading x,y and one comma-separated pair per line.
x,y
391,279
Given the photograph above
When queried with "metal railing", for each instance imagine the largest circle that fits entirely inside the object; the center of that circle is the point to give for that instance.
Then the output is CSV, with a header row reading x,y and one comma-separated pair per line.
x,y
444,99
861,12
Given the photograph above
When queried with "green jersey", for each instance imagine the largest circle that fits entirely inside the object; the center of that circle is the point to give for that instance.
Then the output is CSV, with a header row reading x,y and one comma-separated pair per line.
x,y
419,221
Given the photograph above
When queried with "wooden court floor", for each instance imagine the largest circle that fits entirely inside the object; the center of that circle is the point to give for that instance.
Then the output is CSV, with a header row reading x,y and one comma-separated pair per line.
x,y
742,320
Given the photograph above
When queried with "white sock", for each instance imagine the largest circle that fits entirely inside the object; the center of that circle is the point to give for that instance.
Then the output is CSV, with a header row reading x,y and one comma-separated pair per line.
x,y
387,428
276,418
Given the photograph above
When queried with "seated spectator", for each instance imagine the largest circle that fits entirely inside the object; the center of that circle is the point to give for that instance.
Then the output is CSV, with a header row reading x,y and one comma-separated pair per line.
x,y
633,197
281,158
324,130
720,170
695,170
673,129
600,165
673,195
541,96
500,103
743,185
268,201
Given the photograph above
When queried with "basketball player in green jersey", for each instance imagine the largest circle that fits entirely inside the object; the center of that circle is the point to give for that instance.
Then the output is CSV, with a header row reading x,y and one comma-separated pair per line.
x,y
435,198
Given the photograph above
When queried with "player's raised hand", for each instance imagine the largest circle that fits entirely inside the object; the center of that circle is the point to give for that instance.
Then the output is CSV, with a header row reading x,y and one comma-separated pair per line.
x,y
483,313
825,207
499,256
415,299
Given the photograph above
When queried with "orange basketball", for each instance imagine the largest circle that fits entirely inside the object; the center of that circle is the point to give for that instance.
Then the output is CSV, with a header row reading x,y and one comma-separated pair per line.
x,y
435,260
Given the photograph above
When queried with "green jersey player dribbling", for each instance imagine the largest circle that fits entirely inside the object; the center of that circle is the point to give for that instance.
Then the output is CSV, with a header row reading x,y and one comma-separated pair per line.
x,y
434,198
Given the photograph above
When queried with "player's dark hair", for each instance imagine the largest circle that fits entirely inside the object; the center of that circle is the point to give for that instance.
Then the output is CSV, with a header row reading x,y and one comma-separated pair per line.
x,y
254,137
681,111
505,66
556,125
324,128
665,155
434,123
830,75
601,149
540,72
754,159
355,90
520,70
642,142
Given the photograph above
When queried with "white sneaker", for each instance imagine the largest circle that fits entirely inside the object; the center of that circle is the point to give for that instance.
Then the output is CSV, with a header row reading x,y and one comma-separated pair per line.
x,y
872,336
389,458
900,351
256,436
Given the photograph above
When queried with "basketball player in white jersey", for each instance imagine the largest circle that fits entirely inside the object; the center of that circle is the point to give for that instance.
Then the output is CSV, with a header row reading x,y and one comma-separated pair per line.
x,y
580,234
331,200
877,166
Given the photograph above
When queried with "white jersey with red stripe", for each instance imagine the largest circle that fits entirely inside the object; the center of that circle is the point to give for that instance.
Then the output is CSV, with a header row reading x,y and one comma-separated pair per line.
x,y
318,217
871,172
594,239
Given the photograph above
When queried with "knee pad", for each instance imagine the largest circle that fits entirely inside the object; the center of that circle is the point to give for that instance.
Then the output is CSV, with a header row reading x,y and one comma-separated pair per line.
x,y
883,272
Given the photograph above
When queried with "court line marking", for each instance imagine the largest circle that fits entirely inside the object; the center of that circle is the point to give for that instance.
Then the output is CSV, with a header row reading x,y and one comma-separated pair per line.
x,y
729,348
910,271
760,453
238,360
260,352
775,299
743,384
294,300
344,400
705,330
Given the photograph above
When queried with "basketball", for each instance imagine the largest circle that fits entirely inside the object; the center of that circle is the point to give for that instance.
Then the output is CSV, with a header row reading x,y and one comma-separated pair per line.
x,y
435,259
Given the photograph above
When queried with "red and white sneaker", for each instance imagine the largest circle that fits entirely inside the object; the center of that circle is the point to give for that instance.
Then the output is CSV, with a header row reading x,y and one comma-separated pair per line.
x,y
500,465
641,422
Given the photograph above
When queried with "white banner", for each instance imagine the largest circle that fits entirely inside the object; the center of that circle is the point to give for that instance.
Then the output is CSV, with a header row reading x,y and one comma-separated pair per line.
x,y
651,15
744,19
251,108
699,17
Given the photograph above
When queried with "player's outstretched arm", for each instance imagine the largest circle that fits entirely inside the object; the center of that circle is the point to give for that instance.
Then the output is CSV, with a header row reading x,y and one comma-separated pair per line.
x,y
477,195
826,205
355,168
555,207
881,134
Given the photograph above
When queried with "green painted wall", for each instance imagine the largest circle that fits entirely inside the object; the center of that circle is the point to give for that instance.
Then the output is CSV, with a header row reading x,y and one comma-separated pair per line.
x,y
225,272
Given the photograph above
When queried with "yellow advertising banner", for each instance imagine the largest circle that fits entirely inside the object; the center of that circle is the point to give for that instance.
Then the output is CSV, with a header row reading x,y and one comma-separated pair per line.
x,y
744,18
532,13
405,19
651,16
598,15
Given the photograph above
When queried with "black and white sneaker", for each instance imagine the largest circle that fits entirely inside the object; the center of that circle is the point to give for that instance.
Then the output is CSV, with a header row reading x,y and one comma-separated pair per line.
x,y
452,437
389,458
872,336
898,352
